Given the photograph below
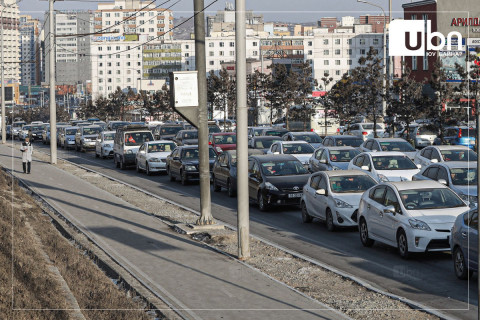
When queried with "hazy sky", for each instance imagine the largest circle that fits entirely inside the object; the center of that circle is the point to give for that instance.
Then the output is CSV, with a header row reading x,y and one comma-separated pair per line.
x,y
272,10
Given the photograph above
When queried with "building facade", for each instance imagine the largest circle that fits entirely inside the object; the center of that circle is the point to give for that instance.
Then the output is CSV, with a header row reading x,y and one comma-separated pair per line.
x,y
11,40
29,50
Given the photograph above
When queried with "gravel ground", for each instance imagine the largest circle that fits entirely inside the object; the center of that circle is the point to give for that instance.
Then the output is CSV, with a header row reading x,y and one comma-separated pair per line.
x,y
323,285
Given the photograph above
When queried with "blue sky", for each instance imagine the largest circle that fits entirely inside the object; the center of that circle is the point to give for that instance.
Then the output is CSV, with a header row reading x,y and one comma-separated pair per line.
x,y
273,10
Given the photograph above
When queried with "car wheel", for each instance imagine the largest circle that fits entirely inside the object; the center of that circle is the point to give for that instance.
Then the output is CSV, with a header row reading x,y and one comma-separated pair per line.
x,y
216,187
184,179
366,241
170,174
461,269
147,169
330,224
262,202
402,244
306,218
230,189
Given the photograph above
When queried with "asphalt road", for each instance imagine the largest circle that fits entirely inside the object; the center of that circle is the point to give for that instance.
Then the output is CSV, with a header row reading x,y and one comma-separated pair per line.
x,y
425,278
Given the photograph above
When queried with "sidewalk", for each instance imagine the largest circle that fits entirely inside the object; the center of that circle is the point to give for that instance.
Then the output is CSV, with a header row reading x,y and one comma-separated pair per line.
x,y
200,282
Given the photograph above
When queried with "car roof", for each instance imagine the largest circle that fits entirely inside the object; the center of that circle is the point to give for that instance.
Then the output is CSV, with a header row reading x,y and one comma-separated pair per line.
x,y
268,137
388,139
419,184
72,127
337,173
273,157
293,142
223,133
385,153
343,137
455,147
338,148
109,132
159,141
458,164
302,132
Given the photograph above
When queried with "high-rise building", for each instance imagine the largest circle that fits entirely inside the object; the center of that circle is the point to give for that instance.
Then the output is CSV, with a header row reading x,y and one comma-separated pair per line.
x,y
72,46
29,50
11,40
328,22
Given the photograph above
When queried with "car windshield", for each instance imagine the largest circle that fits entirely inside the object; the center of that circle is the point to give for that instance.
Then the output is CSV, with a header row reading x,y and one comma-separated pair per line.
x,y
214,129
109,136
421,199
310,138
36,128
26,128
170,130
70,131
402,146
274,133
369,126
190,135
464,176
342,155
393,163
283,168
257,132
264,143
116,125
137,138
298,148
351,184
89,131
226,139
192,154
458,155
426,131
160,147
349,142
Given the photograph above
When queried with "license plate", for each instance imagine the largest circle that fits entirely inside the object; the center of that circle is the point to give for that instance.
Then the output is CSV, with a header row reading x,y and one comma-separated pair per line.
x,y
295,195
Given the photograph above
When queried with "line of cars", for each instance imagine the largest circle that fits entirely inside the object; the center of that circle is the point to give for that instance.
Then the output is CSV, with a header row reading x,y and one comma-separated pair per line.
x,y
341,182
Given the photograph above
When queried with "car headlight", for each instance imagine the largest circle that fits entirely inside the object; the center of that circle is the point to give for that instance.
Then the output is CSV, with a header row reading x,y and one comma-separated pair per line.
x,y
418,224
107,145
335,168
87,140
342,204
68,139
190,168
382,178
154,160
129,151
270,186
219,150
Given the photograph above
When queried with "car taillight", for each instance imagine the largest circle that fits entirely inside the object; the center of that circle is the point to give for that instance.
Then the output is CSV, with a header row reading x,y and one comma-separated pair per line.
x,y
338,129
364,133
418,132
210,142
459,132
312,130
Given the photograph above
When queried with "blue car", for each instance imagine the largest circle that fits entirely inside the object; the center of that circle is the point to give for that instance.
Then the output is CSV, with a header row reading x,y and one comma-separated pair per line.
x,y
464,244
463,136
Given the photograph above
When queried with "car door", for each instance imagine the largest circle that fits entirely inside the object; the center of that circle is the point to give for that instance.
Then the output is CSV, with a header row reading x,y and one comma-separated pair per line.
x,y
174,165
223,169
323,162
472,242
436,155
141,157
322,200
426,156
254,179
387,221
442,174
314,164
374,207
357,163
311,195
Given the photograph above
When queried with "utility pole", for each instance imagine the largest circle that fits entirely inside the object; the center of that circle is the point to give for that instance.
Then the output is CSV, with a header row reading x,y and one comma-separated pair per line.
x,y
206,217
3,124
243,227
53,114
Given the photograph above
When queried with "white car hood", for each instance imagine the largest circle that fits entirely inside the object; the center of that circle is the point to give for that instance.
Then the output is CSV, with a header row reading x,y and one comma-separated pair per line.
x,y
350,198
438,216
159,155
303,157
396,175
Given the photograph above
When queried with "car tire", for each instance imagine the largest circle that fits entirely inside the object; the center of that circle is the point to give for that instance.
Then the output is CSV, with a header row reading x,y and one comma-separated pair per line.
x,y
147,170
216,187
402,244
137,167
170,174
306,218
363,230
262,202
230,190
459,265
329,221
183,178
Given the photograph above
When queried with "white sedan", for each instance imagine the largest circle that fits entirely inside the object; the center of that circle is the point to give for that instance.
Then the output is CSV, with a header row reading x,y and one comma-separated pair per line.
x,y
152,156
104,144
333,196
414,216
385,166
299,149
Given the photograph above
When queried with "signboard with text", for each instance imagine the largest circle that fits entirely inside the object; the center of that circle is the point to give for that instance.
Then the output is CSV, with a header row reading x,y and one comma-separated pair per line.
x,y
184,95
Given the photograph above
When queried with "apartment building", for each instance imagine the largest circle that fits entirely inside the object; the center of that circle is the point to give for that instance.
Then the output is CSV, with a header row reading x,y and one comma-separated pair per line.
x,y
29,50
11,40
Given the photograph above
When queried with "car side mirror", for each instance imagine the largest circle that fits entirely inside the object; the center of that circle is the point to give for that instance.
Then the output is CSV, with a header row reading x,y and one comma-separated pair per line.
x,y
389,209
365,168
321,192
323,161
443,181
419,166
434,160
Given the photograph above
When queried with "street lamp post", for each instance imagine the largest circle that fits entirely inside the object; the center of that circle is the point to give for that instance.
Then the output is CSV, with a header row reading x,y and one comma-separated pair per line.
x,y
384,102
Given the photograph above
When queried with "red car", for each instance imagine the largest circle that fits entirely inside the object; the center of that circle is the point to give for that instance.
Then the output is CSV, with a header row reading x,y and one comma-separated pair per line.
x,y
222,141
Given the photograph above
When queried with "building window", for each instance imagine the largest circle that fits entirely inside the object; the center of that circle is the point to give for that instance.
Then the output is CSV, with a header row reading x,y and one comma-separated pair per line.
x,y
325,41
326,52
337,52
362,42
211,44
232,44
254,44
414,17
337,62
222,44
349,41
255,53
211,63
129,79
100,72
210,53
337,41
187,55
414,63
310,43
310,52
100,80
349,62
337,72
326,62
362,51
117,48
232,53
349,51
100,48
100,64
118,64
187,46
375,42
221,53
109,64
118,71
128,64
425,62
